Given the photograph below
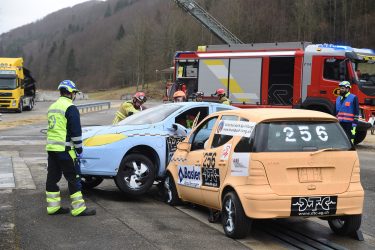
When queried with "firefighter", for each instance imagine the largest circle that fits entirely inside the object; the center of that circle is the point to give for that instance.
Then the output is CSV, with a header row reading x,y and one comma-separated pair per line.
x,y
179,96
222,99
347,110
199,96
130,107
64,148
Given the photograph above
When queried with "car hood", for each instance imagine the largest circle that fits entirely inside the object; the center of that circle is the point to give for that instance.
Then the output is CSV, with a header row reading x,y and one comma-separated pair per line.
x,y
128,129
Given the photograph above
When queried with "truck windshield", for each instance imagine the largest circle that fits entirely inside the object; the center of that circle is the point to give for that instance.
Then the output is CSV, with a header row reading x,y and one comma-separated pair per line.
x,y
365,74
7,83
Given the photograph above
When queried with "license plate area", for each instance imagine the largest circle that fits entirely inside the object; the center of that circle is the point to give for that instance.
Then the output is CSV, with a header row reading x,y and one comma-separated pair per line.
x,y
306,175
313,206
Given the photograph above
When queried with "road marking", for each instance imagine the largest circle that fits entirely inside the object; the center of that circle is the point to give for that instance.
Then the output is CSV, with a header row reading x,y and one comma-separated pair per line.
x,y
6,173
14,172
22,142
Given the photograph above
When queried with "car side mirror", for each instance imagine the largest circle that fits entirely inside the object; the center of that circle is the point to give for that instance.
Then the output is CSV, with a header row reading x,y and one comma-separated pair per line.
x,y
178,129
184,146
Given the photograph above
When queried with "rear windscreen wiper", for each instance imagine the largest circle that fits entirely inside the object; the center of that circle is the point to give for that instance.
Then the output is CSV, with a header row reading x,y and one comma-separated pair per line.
x,y
326,149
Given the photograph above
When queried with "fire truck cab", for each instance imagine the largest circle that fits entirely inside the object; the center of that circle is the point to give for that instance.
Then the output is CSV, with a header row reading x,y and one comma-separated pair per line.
x,y
293,74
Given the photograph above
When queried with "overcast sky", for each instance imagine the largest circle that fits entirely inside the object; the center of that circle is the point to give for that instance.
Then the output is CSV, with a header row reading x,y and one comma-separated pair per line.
x,y
15,13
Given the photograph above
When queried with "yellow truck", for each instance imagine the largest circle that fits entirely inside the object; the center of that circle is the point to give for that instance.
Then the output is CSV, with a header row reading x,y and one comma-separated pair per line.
x,y
17,86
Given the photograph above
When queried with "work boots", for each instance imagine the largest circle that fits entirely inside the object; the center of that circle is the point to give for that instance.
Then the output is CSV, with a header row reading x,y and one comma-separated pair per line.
x,y
62,210
87,212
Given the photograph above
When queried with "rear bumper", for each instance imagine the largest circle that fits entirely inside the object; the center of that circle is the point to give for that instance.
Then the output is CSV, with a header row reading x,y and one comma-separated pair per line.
x,y
270,205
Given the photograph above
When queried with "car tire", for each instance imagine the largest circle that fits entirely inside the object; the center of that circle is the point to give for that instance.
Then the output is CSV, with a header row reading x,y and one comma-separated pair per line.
x,y
136,174
170,191
345,225
89,182
235,223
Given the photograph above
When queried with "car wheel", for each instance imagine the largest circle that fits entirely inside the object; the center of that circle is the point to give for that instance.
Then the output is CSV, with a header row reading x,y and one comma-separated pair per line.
x,y
89,182
170,191
235,223
135,175
345,225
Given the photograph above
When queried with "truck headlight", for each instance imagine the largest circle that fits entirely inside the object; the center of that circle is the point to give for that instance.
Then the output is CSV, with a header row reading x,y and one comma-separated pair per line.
x,y
14,103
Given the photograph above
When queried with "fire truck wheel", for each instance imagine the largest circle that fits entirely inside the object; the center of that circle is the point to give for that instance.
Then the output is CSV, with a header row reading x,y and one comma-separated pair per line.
x,y
359,137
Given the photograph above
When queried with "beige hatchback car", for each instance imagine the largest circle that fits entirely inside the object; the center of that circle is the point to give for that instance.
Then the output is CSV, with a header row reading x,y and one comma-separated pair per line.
x,y
269,163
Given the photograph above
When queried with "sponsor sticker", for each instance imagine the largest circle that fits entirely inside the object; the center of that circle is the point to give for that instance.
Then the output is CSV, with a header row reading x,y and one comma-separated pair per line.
x,y
172,142
189,176
313,206
240,164
225,152
211,177
235,128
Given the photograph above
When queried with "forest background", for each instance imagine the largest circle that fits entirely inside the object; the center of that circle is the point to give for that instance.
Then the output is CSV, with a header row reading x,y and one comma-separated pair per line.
x,y
119,43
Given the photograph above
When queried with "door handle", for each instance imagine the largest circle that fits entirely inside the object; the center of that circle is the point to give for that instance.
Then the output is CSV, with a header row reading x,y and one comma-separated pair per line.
x,y
221,164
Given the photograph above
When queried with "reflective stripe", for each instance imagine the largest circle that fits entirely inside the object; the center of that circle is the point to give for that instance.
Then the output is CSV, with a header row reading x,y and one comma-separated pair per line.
x,y
78,145
345,113
56,142
52,194
54,204
78,205
77,198
52,210
78,138
58,111
119,114
76,194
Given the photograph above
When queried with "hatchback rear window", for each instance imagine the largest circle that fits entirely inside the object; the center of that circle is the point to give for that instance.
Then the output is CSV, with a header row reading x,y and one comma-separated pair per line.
x,y
300,136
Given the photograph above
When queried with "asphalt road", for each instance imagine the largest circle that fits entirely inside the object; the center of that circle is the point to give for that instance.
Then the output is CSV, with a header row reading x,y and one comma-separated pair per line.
x,y
142,223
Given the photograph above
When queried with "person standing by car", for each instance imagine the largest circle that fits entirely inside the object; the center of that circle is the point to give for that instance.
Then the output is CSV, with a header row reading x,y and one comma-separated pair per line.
x,y
199,96
64,148
222,98
130,107
347,110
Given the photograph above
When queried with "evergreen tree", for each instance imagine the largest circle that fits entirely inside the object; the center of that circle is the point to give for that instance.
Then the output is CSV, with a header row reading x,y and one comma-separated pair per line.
x,y
120,33
108,12
71,68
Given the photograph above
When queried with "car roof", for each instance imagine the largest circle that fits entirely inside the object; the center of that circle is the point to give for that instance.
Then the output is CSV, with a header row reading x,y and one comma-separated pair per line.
x,y
273,114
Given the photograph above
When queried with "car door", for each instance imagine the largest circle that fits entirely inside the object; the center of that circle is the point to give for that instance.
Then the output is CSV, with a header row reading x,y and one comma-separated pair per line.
x,y
189,185
215,162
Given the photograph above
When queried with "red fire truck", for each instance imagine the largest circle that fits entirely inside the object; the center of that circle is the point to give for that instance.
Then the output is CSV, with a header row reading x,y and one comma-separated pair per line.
x,y
295,75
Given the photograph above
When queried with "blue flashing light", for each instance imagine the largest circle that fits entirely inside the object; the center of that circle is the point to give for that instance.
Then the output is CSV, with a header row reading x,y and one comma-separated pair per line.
x,y
335,46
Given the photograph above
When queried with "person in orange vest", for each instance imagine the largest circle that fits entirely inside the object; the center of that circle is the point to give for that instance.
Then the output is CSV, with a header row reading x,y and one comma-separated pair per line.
x,y
347,110
130,107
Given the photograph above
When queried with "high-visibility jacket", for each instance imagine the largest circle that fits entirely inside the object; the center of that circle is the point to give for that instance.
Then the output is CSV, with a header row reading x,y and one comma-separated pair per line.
x,y
224,100
347,109
63,134
126,109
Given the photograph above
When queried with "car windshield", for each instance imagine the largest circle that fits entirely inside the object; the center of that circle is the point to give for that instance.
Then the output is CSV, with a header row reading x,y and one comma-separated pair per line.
x,y
151,115
301,136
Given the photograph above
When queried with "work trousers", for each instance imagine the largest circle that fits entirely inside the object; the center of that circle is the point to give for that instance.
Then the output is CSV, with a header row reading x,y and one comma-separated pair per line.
x,y
59,164
347,126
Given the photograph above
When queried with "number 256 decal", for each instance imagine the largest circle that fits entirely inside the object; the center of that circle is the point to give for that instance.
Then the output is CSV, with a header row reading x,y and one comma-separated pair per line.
x,y
305,134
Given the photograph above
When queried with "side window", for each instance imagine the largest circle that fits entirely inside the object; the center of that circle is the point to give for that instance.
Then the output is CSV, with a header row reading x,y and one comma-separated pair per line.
x,y
245,145
335,69
187,118
201,135
220,139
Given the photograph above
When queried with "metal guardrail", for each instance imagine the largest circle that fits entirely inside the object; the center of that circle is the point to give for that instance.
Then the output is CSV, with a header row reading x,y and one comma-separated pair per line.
x,y
90,107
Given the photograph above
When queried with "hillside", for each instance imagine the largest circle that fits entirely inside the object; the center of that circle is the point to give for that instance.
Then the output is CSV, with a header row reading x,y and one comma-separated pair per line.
x,y
120,43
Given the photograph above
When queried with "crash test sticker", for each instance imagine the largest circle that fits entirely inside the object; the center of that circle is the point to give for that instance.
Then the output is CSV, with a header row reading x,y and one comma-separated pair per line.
x,y
235,128
189,176
240,164
225,152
